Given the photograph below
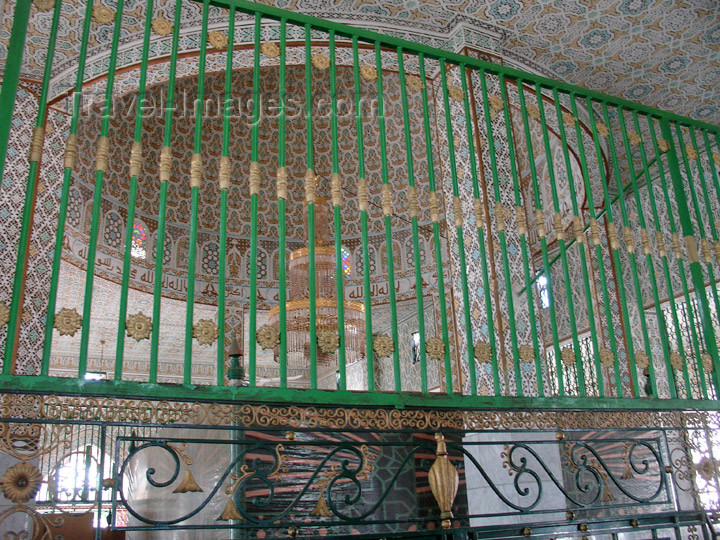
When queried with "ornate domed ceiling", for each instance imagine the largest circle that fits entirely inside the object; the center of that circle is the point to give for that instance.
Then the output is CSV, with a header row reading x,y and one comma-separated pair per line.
x,y
658,52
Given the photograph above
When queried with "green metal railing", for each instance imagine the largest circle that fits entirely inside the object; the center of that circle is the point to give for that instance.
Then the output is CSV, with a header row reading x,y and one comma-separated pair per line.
x,y
511,177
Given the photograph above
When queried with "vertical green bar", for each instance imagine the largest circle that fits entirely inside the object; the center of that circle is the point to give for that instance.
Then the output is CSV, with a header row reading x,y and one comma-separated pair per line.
x,y
224,187
580,371
434,214
310,199
580,239
68,165
196,173
612,242
663,252
521,215
11,74
281,195
387,211
101,166
651,269
695,264
599,257
336,188
164,177
662,324
362,204
457,211
254,182
135,166
479,224
413,205
36,147
539,213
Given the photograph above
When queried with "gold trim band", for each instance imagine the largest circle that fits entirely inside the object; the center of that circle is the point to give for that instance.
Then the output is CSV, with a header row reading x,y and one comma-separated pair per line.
x,y
196,171
103,151
224,174
135,159
692,250
36,145
71,147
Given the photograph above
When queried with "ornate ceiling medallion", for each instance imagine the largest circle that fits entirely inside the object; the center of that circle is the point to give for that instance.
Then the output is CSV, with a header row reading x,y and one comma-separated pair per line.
x,y
383,345
268,336
496,102
328,340
218,40
139,326
270,49
368,72
68,322
483,352
20,482
320,61
44,5
162,26
103,14
414,83
602,129
567,355
435,348
527,354
205,331
456,93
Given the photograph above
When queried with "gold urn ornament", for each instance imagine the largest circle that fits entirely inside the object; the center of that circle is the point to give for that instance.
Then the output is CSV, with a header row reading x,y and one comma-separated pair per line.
x,y
444,481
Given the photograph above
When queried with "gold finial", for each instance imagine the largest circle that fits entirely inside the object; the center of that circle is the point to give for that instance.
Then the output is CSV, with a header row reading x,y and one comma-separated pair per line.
x,y
434,209
444,481
386,199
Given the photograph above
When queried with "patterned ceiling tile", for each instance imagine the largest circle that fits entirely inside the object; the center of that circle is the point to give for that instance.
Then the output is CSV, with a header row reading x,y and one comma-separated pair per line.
x,y
664,53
